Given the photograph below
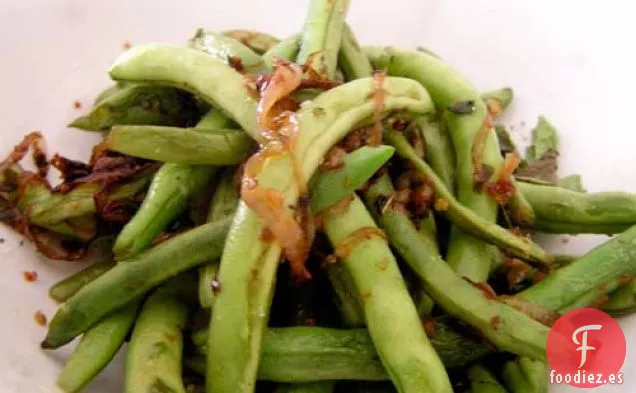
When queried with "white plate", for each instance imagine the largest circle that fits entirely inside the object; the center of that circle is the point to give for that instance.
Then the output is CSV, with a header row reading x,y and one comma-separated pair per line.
x,y
572,61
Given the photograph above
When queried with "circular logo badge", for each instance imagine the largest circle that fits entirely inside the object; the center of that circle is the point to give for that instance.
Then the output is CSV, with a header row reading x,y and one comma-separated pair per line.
x,y
586,348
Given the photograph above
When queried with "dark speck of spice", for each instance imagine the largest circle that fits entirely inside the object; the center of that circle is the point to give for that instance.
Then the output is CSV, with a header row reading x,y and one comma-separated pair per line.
x,y
400,124
236,63
216,287
318,111
463,107
429,327
495,322
171,337
21,242
40,318
1,240
30,276
146,104
77,105
380,203
126,45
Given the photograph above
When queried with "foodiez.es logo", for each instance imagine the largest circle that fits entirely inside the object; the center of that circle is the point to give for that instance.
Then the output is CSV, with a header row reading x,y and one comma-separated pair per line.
x,y
586,348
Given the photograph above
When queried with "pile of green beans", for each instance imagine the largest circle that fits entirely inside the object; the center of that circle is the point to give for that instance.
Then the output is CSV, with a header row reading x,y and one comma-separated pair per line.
x,y
386,161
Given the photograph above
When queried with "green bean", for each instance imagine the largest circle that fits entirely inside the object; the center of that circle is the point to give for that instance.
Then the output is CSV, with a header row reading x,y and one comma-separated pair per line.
x,y
153,360
223,205
322,35
284,50
194,71
139,104
207,276
594,295
565,259
66,288
226,196
257,41
214,120
353,61
305,354
410,359
518,208
454,349
622,301
130,279
174,184
498,100
107,92
357,65
325,120
464,218
467,255
558,210
228,49
181,145
366,387
332,185
428,234
535,372
611,260
440,154
96,349
504,326
514,379
308,387
482,381
169,192
347,299
305,94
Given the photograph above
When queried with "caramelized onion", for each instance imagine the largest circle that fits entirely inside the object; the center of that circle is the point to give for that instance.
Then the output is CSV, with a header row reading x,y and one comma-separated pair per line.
x,y
50,244
480,177
494,107
269,205
516,271
105,169
293,230
31,140
503,189
70,170
285,79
